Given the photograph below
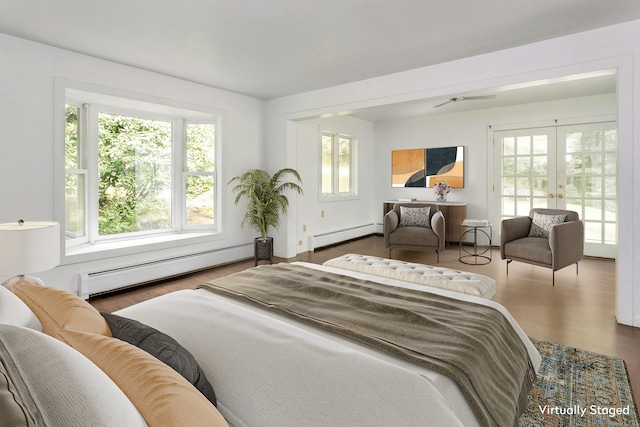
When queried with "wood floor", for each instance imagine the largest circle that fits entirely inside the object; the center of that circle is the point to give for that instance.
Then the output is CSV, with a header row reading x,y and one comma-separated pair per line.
x,y
578,311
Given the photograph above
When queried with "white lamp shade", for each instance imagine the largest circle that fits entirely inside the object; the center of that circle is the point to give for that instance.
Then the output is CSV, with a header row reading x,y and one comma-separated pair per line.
x,y
29,248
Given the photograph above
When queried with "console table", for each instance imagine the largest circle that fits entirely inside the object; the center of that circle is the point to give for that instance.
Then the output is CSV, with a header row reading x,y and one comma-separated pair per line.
x,y
454,213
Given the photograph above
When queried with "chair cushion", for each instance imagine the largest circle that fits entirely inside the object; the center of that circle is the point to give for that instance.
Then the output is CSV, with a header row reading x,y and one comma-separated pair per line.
x,y
410,236
542,223
414,217
535,249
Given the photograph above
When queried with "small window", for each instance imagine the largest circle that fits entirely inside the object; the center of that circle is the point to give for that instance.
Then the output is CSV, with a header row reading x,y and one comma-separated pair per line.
x,y
338,160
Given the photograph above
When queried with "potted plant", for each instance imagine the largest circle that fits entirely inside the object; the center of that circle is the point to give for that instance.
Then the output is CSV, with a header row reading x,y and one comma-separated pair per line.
x,y
265,202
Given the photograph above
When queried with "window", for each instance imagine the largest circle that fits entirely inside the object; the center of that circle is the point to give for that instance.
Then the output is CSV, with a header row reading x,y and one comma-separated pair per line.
x,y
75,178
338,164
134,174
131,173
199,174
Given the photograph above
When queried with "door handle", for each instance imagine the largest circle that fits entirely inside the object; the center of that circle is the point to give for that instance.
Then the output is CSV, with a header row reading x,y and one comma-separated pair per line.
x,y
560,196
551,195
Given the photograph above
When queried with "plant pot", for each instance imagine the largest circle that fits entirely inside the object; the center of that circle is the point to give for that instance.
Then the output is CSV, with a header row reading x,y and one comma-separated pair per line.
x,y
263,249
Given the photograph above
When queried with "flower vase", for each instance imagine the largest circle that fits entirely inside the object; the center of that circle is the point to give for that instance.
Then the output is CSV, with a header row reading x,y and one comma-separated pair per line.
x,y
441,197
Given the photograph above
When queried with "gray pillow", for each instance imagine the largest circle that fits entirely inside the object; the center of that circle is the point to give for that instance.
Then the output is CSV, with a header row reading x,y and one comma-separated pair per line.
x,y
163,348
414,217
542,223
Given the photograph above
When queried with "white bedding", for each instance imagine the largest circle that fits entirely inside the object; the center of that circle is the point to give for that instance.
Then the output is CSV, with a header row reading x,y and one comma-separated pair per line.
x,y
269,370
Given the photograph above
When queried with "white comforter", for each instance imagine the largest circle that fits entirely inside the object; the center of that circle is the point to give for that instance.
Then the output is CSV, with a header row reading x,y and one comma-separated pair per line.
x,y
268,370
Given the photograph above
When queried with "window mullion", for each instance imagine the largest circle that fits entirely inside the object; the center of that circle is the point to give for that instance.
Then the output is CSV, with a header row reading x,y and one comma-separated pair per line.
x,y
336,164
352,167
91,142
179,167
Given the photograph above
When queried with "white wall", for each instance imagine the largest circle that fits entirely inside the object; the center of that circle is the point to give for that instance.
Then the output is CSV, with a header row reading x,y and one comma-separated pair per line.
x,y
27,143
470,129
611,47
338,214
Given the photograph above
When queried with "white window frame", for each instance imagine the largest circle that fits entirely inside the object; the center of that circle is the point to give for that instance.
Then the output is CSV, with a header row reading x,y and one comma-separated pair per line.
x,y
91,100
335,152
80,170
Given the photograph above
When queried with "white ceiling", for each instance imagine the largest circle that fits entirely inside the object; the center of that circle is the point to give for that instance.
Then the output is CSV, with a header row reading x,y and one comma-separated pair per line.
x,y
273,48
574,86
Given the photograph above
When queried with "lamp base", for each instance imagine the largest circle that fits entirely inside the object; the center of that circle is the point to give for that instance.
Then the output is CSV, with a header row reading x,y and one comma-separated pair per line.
x,y
22,279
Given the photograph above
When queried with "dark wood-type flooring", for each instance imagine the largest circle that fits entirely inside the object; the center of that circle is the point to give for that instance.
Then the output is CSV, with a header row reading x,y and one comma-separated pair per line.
x,y
578,311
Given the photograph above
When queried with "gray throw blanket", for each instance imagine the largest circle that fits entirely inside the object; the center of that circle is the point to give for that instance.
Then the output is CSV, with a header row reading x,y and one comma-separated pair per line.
x,y
473,344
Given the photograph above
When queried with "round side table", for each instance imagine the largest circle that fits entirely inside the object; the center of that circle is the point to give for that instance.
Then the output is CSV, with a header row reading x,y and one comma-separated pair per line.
x,y
480,254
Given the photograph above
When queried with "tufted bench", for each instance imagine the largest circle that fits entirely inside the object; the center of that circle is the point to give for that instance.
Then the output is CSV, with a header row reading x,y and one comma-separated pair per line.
x,y
438,277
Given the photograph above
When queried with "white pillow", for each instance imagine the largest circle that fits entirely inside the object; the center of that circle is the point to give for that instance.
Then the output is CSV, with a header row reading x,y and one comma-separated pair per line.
x,y
15,312
542,224
45,382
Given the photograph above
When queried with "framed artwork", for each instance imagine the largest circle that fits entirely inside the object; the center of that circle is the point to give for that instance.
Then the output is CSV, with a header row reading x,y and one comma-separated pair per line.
x,y
407,168
424,167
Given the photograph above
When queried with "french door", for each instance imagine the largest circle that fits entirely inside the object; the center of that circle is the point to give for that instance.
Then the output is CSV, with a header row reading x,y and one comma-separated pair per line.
x,y
564,167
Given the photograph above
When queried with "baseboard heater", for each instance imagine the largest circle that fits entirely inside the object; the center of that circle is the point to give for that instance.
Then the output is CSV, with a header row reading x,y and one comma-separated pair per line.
x,y
97,282
330,238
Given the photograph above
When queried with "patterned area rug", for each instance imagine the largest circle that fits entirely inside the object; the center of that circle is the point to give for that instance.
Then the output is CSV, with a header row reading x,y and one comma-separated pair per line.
x,y
579,388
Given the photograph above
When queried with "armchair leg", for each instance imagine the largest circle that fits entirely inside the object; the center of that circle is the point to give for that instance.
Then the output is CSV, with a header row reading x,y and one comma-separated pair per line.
x,y
508,262
576,268
553,279
390,252
438,256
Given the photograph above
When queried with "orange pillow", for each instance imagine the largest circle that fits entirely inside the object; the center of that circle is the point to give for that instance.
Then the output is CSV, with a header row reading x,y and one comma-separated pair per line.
x,y
57,309
163,396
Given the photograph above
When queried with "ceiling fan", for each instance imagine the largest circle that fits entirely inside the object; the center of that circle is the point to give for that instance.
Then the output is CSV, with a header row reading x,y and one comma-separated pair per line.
x,y
465,98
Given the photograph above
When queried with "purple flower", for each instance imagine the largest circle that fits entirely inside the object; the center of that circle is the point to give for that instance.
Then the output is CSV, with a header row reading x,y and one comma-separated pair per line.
x,y
441,188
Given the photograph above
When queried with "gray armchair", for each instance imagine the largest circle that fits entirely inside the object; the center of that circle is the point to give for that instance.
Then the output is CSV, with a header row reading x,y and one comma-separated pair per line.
x,y
414,231
563,245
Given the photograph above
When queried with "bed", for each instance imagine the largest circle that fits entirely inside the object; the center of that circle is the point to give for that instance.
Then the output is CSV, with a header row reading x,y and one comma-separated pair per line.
x,y
269,369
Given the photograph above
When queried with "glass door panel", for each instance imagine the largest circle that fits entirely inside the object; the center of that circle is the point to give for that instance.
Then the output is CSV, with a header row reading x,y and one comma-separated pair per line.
x,y
565,167
590,173
523,181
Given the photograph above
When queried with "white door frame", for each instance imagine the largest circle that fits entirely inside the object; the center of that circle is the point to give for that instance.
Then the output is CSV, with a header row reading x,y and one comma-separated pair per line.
x,y
492,198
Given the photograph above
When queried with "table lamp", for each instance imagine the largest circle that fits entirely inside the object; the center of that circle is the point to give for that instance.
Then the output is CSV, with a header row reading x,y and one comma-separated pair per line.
x,y
28,247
